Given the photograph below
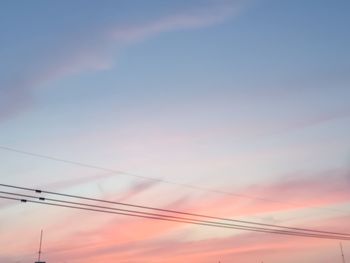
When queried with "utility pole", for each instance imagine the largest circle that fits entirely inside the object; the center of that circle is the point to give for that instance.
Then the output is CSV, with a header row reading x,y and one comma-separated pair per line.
x,y
342,253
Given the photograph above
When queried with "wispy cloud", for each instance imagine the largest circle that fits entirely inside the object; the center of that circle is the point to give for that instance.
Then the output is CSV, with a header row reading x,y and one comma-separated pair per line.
x,y
315,192
136,189
319,189
139,240
157,247
17,96
199,18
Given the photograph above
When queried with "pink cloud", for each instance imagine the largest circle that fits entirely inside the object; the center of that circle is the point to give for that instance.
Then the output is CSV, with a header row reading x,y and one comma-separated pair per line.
x,y
125,239
243,247
321,189
140,240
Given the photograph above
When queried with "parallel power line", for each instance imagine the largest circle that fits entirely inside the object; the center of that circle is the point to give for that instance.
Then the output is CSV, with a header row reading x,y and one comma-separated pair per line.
x,y
239,225
190,186
153,208
188,221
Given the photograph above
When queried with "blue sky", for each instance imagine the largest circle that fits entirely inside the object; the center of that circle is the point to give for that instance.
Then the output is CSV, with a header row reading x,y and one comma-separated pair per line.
x,y
239,96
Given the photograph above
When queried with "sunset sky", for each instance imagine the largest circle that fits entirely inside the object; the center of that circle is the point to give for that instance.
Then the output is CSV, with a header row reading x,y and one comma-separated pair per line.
x,y
243,106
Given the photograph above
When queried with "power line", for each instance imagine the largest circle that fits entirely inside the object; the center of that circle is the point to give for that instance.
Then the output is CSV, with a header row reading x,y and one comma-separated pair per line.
x,y
104,209
157,209
198,188
183,220
307,232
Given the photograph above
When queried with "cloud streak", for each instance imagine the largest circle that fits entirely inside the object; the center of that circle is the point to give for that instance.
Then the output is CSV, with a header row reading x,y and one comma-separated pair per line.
x,y
16,97
140,240
175,248
187,21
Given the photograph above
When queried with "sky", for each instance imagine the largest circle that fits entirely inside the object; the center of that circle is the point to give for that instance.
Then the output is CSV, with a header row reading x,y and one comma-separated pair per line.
x,y
243,106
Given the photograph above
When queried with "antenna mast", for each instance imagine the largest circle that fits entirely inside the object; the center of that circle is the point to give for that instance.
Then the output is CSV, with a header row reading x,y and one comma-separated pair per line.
x,y
41,240
342,253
